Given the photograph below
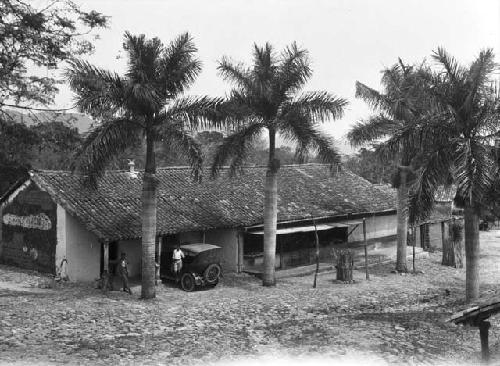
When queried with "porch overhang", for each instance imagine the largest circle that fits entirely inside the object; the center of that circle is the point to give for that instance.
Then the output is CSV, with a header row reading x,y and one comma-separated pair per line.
x,y
303,229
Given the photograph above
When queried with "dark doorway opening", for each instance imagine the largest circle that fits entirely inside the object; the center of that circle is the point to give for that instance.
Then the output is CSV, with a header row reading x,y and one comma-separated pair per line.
x,y
114,256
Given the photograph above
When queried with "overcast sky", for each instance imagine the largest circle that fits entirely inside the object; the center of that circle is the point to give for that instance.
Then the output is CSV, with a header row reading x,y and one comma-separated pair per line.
x,y
348,40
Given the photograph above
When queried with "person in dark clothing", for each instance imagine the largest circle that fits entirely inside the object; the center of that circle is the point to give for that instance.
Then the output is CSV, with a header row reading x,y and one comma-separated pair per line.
x,y
123,272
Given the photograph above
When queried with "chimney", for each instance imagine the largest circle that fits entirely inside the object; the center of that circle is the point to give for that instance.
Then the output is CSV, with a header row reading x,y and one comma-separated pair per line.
x,y
131,167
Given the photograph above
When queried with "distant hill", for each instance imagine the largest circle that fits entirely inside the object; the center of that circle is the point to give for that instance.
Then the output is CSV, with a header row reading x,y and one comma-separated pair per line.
x,y
343,147
80,121
83,124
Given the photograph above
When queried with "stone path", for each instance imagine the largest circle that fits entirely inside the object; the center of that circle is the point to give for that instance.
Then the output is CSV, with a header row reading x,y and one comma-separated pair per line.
x,y
389,320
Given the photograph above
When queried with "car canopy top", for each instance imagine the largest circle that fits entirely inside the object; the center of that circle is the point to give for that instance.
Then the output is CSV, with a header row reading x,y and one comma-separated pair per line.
x,y
199,247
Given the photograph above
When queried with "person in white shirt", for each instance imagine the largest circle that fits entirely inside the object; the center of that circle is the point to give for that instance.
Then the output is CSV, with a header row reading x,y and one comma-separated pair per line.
x,y
177,257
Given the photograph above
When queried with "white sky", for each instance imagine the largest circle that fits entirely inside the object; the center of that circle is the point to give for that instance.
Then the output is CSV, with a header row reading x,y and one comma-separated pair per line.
x,y
348,40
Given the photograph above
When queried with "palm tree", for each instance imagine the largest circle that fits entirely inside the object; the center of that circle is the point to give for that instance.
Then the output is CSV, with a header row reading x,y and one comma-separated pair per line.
x,y
141,105
396,107
456,142
266,98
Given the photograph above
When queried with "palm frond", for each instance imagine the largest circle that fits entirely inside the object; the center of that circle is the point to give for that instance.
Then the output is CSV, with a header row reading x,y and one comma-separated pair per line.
x,y
179,67
293,71
433,172
98,92
475,171
319,106
453,70
143,56
235,147
373,98
236,73
102,144
196,112
479,77
144,97
175,138
263,63
324,148
372,129
300,130
237,108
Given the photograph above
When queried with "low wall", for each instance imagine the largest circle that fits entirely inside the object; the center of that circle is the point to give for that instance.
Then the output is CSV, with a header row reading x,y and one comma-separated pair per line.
x,y
376,227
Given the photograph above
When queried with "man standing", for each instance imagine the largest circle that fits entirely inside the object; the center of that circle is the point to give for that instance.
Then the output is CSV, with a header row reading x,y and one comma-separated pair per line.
x,y
177,257
123,272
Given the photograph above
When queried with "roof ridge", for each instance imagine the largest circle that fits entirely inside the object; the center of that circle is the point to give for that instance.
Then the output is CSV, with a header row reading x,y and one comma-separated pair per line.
x,y
177,167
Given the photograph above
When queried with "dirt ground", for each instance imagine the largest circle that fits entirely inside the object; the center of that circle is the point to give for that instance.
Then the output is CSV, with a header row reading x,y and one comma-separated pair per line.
x,y
389,320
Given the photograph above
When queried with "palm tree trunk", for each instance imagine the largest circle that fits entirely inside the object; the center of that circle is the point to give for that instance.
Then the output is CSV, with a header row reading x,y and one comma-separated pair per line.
x,y
270,215
471,229
402,217
148,290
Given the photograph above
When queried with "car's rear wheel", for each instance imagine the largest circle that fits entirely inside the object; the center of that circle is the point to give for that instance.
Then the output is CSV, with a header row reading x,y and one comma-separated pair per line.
x,y
187,282
212,273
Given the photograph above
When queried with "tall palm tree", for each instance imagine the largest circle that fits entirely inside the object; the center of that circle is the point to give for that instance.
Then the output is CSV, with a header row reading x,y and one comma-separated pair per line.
x,y
144,104
266,99
396,107
456,142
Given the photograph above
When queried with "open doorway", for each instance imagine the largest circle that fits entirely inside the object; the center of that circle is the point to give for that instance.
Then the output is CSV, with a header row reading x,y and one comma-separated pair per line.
x,y
114,256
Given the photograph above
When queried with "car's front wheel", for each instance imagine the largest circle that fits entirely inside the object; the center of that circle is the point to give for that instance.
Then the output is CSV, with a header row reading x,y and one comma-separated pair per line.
x,y
212,273
187,282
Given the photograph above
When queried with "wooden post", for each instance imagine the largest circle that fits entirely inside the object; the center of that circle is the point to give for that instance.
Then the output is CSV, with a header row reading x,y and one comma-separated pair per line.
x,y
105,285
366,250
484,326
317,253
280,246
240,252
443,234
414,243
421,236
105,255
158,267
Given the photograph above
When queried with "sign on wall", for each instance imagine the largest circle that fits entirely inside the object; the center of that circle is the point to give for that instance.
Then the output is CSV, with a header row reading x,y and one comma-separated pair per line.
x,y
40,221
29,225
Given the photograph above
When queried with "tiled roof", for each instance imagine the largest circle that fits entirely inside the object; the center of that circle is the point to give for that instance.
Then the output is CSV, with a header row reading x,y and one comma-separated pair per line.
x,y
112,211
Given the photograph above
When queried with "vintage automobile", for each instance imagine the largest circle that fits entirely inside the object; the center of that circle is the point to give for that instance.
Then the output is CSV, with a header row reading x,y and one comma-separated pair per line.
x,y
200,267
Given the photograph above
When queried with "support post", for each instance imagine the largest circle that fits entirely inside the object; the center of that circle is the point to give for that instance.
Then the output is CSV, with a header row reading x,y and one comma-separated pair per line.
x,y
366,250
443,234
105,283
158,266
240,252
280,247
414,243
317,252
484,326
105,255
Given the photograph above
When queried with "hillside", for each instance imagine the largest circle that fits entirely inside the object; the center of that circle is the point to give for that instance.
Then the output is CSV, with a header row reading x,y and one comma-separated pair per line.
x,y
80,121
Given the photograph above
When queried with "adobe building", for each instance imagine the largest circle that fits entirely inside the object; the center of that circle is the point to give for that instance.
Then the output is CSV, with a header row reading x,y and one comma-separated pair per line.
x,y
53,216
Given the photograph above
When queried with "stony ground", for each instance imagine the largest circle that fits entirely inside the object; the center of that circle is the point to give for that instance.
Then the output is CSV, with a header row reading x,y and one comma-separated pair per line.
x,y
391,319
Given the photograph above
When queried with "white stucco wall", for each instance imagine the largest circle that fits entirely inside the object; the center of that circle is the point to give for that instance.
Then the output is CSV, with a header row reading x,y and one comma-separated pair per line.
x,y
83,252
134,255
376,227
191,237
228,240
61,252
